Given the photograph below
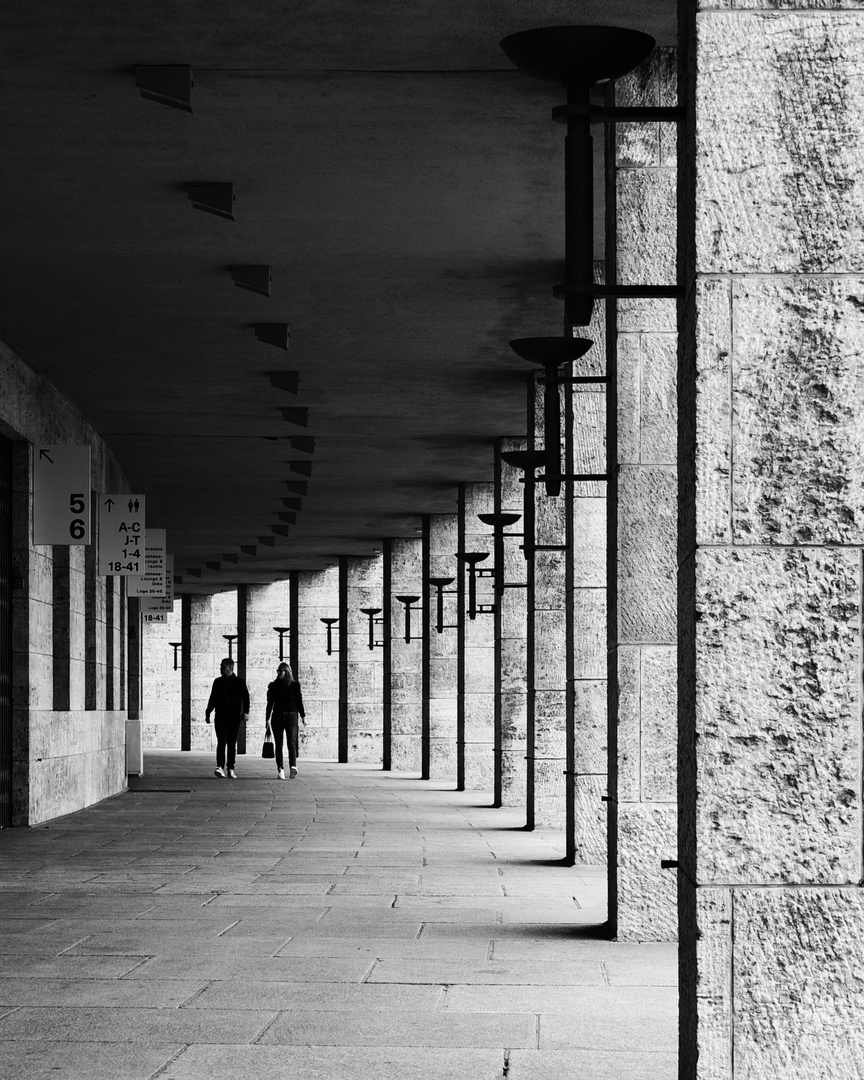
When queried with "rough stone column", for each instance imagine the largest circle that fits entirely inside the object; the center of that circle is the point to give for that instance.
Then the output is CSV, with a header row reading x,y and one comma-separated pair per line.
x,y
318,597
204,655
443,541
266,606
772,528
406,695
511,664
479,662
589,653
365,671
644,747
550,647
161,685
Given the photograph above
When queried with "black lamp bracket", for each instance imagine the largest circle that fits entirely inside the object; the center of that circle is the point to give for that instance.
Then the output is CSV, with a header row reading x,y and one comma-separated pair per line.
x,y
175,645
330,623
371,614
620,114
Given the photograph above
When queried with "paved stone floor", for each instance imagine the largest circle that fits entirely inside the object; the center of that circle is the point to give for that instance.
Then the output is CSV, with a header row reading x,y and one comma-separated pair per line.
x,y
350,923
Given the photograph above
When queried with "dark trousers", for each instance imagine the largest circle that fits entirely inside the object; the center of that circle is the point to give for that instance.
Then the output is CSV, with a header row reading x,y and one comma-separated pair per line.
x,y
227,730
290,724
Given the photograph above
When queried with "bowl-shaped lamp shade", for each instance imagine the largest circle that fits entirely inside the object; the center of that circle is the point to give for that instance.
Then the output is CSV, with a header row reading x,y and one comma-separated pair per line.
x,y
578,54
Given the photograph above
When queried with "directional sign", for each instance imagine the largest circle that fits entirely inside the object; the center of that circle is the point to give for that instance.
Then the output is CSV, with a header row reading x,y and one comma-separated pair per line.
x,y
61,495
156,609
152,583
121,534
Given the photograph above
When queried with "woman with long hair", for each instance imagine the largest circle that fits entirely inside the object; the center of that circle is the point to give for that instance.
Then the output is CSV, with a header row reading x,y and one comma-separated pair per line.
x,y
285,704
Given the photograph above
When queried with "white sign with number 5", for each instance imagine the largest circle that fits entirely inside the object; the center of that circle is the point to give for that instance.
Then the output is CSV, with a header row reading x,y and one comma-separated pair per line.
x,y
61,495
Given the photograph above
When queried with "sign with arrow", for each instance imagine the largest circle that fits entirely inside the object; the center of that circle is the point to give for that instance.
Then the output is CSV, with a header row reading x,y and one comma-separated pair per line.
x,y
61,495
121,534
152,583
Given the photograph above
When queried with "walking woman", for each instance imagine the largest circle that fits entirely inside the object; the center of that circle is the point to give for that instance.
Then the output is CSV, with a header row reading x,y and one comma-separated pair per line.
x,y
285,703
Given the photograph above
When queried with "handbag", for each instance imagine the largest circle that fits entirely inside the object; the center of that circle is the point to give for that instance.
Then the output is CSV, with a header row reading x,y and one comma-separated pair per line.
x,y
268,750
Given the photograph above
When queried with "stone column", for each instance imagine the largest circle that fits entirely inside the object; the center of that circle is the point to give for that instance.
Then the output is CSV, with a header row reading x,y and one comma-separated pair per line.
x,y
588,454
204,655
550,647
645,448
511,620
772,520
479,678
266,606
443,543
318,597
161,685
406,705
365,582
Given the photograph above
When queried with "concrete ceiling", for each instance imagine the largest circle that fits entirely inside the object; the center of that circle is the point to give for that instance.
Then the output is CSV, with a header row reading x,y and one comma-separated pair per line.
x,y
402,181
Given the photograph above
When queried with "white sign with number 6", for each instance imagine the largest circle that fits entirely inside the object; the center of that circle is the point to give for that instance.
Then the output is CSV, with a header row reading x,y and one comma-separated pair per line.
x,y
61,495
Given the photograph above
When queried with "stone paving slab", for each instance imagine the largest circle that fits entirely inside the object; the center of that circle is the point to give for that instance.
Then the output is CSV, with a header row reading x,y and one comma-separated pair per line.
x,y
135,1025
85,1060
324,997
591,1065
66,966
125,993
396,1027
271,969
335,1063
385,947
491,972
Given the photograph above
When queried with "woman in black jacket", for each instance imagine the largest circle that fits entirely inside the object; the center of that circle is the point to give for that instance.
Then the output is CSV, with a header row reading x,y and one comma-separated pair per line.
x,y
285,702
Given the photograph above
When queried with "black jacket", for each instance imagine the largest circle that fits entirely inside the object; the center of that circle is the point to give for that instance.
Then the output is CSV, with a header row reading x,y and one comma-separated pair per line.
x,y
284,697
229,697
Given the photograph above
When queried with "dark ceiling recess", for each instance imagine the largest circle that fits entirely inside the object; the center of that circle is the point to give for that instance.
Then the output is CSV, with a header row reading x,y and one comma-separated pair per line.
x,y
254,278
285,380
215,199
298,416
169,84
305,444
302,468
272,333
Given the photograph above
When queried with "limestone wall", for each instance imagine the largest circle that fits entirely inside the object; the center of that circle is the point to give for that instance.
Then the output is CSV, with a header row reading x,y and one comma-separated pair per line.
x,y
318,673
479,686
771,459
406,569
442,651
68,727
161,684
645,181
511,644
364,705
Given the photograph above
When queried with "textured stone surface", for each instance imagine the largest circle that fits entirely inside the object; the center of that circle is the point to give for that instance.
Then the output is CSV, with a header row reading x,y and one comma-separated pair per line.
x,y
629,719
647,904
590,812
589,633
658,723
780,188
778,719
646,226
798,431
647,553
589,542
713,452
589,712
798,982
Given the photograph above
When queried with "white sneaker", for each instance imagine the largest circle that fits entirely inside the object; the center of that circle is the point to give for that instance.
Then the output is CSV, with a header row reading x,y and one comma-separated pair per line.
x,y
293,772
218,771
232,775
281,774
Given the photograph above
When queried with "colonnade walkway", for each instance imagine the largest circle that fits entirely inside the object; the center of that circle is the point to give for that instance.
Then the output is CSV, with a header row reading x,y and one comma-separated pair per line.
x,y
350,923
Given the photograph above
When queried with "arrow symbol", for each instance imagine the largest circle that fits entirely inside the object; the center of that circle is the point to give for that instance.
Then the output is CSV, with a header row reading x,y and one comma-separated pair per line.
x,y
109,503
45,454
